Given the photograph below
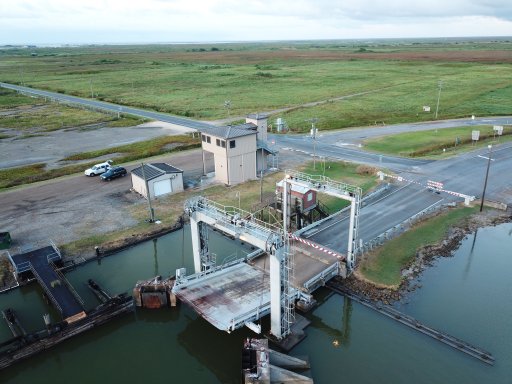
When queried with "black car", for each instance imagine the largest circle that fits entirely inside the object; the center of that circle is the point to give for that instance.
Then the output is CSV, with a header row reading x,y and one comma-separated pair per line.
x,y
112,173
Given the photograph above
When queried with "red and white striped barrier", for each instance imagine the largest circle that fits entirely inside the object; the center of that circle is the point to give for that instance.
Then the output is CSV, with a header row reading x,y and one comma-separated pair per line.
x,y
318,247
430,184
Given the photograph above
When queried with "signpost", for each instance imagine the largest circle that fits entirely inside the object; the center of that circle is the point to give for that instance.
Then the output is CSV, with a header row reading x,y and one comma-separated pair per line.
x,y
475,136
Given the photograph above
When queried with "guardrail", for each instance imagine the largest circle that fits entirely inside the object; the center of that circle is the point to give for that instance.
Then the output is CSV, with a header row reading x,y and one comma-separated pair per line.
x,y
401,227
182,282
323,276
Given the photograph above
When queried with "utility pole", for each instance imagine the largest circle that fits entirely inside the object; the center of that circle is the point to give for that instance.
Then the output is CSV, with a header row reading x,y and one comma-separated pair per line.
x,y
151,211
261,186
486,176
314,132
237,194
227,105
439,96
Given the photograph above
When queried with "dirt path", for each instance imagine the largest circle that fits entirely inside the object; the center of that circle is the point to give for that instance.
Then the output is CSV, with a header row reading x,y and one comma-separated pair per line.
x,y
305,105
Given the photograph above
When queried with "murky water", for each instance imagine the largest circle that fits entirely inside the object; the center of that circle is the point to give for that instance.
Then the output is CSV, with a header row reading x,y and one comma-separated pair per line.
x,y
468,295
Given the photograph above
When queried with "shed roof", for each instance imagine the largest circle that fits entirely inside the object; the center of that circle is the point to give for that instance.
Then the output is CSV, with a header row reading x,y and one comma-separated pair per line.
x,y
295,188
155,170
231,132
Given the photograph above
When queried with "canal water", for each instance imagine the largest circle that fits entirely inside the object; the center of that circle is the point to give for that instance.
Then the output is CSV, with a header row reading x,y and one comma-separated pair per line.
x,y
468,295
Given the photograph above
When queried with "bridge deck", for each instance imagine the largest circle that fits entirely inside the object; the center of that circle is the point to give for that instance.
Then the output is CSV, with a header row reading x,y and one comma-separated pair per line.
x,y
226,296
54,285
307,263
230,297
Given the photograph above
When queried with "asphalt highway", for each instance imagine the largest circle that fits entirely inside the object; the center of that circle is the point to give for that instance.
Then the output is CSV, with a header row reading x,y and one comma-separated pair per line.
x,y
110,107
463,174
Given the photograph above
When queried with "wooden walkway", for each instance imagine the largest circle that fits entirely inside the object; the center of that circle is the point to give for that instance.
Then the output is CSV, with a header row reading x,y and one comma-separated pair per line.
x,y
55,285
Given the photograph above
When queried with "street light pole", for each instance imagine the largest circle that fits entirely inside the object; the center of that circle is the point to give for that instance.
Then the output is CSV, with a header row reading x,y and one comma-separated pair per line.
x,y
313,135
486,176
439,96
238,195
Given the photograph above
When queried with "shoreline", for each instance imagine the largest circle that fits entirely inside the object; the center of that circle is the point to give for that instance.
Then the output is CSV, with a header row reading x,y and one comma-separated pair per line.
x,y
425,257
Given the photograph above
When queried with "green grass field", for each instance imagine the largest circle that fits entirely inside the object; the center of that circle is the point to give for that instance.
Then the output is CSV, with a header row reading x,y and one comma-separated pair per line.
x,y
34,115
384,266
195,81
349,173
435,142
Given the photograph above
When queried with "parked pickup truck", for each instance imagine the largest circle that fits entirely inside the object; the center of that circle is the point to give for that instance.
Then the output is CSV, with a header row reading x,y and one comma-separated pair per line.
x,y
98,169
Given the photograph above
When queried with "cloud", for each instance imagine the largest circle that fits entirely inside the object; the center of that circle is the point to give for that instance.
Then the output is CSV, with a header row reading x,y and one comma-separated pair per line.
x,y
61,21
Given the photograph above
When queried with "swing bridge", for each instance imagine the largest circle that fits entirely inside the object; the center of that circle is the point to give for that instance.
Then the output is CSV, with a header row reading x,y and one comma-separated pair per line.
x,y
284,269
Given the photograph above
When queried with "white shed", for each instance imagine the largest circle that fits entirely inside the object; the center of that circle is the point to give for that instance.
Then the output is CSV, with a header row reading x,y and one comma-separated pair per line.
x,y
162,179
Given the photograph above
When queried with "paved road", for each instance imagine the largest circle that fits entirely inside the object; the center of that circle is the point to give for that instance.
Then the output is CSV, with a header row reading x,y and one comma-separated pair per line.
x,y
398,204
111,107
345,144
27,206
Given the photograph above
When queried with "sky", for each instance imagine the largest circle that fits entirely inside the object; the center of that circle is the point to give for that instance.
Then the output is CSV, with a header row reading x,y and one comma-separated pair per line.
x,y
42,22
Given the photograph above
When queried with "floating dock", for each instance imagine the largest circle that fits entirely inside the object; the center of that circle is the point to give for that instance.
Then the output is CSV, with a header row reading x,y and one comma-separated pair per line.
x,y
40,262
24,345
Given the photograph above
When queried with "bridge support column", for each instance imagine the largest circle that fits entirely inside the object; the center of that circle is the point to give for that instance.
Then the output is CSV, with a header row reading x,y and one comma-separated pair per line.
x,y
199,232
351,243
276,258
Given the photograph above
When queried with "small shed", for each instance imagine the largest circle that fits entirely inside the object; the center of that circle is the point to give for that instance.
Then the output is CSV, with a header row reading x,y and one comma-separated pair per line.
x,y
305,197
162,179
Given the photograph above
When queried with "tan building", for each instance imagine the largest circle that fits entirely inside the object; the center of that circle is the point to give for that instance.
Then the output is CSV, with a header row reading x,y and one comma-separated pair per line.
x,y
240,151
162,179
234,150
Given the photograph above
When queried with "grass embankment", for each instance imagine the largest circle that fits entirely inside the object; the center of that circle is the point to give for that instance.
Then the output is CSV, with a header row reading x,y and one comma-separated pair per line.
x,y
358,175
36,172
384,266
169,208
30,116
266,77
435,142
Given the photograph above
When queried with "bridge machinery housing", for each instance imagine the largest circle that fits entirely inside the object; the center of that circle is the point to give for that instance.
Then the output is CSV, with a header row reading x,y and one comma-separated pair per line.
x,y
236,293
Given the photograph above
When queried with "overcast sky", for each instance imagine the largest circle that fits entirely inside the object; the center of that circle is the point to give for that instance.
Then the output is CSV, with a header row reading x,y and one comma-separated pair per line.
x,y
130,21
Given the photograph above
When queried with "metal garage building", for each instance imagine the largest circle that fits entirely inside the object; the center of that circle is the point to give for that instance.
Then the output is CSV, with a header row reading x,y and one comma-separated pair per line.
x,y
162,179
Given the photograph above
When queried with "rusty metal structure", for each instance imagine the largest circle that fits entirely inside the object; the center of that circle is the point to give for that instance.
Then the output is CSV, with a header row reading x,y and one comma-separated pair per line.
x,y
236,293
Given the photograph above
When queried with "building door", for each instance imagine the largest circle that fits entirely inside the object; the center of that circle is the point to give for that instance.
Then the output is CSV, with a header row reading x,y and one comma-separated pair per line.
x,y
162,187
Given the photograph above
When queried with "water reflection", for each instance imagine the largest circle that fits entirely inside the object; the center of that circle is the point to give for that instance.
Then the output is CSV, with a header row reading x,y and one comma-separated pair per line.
x,y
470,257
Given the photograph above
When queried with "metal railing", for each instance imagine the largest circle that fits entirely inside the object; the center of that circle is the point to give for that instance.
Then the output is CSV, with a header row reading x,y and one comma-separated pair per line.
x,y
402,227
67,284
182,282
323,276
326,182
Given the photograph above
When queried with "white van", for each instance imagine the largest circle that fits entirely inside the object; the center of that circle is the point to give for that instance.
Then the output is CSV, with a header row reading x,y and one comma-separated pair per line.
x,y
98,169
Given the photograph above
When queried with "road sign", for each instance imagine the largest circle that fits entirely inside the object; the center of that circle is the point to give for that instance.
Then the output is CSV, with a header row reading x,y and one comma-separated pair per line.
x,y
475,135
498,129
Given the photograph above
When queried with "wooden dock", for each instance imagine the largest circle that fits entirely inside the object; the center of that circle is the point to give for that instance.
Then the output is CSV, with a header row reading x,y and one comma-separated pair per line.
x,y
411,322
24,345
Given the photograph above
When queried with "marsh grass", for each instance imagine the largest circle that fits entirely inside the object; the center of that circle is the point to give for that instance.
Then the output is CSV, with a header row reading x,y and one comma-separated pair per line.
x,y
384,266
435,142
195,82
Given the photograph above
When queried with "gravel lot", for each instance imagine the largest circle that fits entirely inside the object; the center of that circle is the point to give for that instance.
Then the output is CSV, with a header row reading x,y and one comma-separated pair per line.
x,y
72,207
53,146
